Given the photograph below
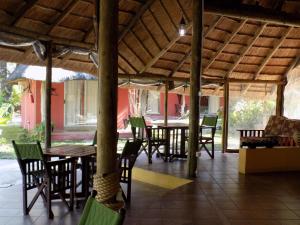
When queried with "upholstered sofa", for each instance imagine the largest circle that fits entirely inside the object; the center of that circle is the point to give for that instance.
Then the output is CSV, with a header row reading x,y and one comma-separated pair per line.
x,y
279,131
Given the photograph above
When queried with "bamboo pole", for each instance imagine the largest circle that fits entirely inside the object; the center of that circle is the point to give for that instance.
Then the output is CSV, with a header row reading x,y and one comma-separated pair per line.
x,y
280,100
108,84
48,95
225,118
195,80
166,102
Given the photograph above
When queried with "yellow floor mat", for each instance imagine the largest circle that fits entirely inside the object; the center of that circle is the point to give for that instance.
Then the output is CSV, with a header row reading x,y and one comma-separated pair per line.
x,y
158,179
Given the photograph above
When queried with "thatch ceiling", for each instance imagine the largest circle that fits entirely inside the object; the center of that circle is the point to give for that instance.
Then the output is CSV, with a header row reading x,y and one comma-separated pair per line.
x,y
235,47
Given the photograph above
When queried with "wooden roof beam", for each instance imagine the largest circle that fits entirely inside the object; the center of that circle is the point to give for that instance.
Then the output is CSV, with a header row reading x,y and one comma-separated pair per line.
x,y
225,44
163,51
243,53
152,76
63,14
22,11
254,12
43,37
134,20
269,56
187,55
294,64
246,49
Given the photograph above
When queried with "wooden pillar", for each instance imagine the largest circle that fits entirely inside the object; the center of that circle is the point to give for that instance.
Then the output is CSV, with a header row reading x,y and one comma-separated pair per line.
x,y
48,95
225,117
166,102
195,80
280,100
107,88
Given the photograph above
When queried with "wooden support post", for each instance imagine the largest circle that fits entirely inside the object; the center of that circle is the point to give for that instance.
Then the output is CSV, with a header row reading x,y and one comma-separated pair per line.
x,y
225,118
48,95
195,80
280,100
166,102
107,88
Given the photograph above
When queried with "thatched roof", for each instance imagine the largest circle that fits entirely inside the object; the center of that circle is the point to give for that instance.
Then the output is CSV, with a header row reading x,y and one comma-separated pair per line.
x,y
257,40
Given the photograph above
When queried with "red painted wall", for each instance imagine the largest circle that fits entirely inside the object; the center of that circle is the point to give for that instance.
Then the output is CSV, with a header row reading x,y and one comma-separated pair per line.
x,y
172,100
123,106
57,105
31,105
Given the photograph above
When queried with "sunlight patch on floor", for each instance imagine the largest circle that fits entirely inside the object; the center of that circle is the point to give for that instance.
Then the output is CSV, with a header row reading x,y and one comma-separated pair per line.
x,y
158,179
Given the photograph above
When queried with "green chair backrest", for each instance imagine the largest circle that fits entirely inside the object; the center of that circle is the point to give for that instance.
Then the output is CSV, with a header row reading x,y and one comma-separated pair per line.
x,y
28,151
95,213
137,122
209,121
131,148
95,139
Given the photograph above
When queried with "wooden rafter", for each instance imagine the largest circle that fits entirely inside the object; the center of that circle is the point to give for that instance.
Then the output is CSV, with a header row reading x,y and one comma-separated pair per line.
x,y
22,11
141,43
162,52
159,24
254,12
136,18
246,49
149,33
187,55
271,53
269,56
225,44
168,14
63,14
184,14
20,32
291,67
244,52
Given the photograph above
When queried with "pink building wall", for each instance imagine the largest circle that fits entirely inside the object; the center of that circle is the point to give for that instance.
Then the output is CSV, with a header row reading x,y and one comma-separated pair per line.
x,y
123,106
31,106
31,114
57,105
172,101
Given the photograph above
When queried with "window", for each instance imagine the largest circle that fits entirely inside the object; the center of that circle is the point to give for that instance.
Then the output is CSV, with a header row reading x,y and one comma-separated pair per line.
x,y
153,102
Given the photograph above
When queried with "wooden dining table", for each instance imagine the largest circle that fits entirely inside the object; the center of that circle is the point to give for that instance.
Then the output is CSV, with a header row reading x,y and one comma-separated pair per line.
x,y
176,135
85,153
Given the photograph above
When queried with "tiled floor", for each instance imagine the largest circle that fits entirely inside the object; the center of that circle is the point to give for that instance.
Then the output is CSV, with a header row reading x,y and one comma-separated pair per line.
x,y
219,195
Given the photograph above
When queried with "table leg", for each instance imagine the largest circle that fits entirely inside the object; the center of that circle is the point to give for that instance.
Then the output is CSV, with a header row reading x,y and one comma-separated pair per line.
x,y
167,146
85,177
182,142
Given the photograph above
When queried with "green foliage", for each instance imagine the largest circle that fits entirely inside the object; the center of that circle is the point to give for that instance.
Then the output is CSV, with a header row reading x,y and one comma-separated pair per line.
x,y
38,132
248,114
8,107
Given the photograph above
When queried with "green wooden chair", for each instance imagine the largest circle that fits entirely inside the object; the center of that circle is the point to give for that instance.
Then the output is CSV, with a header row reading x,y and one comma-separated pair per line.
x,y
209,122
152,138
126,162
51,178
95,213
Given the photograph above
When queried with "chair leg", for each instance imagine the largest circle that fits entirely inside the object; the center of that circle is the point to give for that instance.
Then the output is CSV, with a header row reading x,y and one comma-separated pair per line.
x,y
129,187
25,210
150,153
49,210
213,149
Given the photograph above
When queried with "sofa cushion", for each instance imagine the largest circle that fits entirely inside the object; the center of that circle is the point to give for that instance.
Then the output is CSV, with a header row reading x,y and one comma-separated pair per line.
x,y
274,125
290,127
296,137
253,142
